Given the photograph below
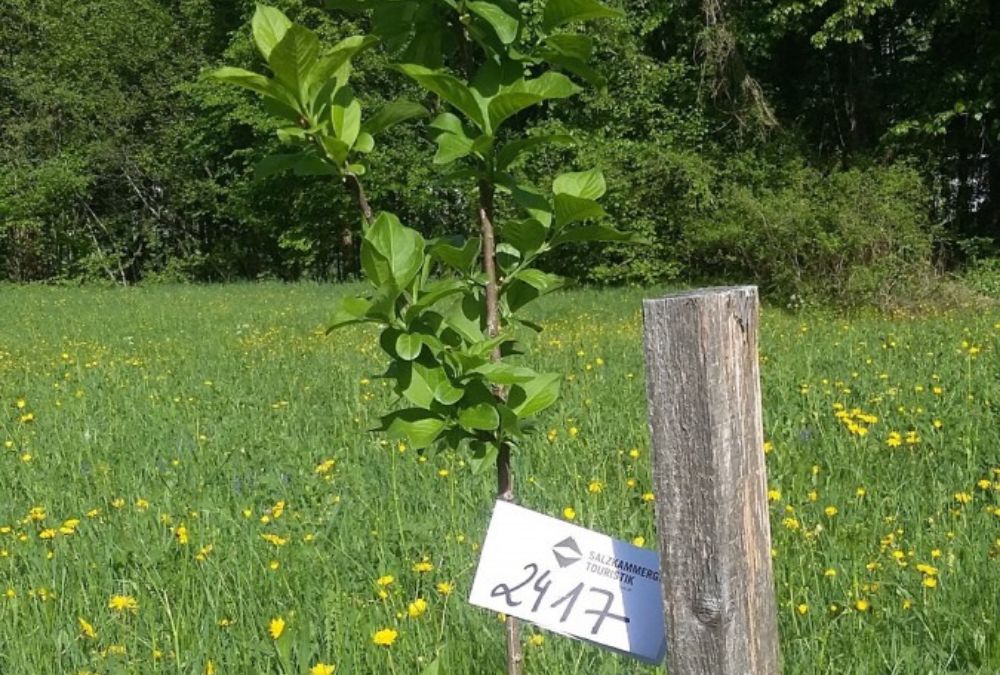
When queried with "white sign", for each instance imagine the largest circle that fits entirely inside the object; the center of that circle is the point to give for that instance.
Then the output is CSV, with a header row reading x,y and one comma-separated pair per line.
x,y
572,581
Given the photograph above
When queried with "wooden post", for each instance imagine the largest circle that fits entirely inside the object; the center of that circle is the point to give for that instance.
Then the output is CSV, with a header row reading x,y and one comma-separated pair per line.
x,y
703,389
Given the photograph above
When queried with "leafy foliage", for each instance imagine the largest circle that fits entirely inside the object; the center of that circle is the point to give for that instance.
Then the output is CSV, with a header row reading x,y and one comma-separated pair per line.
x,y
440,302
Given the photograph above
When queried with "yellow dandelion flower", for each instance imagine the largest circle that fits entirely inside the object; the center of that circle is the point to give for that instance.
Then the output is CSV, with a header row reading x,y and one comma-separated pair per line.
x,y
930,582
385,637
416,608
862,605
322,669
274,539
86,629
445,587
831,511
536,640
595,487
423,566
385,580
569,513
639,541
123,604
276,627
802,609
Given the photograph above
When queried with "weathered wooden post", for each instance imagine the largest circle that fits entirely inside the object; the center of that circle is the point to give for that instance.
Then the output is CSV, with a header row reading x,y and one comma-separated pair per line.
x,y
703,389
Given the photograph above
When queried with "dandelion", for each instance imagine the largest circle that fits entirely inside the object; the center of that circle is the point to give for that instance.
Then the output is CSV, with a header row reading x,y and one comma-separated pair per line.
x,y
862,605
830,573
639,541
774,495
423,566
963,497
930,582
895,440
322,669
802,609
325,467
648,497
385,637
569,513
445,588
182,535
86,629
536,640
276,627
634,453
416,608
123,603
831,511
385,580
274,539
595,487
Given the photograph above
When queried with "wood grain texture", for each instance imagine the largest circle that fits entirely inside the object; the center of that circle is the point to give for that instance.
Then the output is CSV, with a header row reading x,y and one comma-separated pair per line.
x,y
703,389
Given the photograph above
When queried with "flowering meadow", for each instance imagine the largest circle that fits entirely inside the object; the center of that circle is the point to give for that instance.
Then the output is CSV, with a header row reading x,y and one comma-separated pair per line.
x,y
190,487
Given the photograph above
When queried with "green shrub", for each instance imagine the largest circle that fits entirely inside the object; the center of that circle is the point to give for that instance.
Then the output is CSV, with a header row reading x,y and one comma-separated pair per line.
x,y
983,276
850,237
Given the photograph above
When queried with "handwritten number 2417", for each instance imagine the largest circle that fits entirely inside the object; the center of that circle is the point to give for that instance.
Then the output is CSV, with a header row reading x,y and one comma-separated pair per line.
x,y
567,601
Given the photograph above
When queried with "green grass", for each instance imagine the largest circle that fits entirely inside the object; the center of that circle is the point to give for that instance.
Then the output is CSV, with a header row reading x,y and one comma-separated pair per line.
x,y
205,408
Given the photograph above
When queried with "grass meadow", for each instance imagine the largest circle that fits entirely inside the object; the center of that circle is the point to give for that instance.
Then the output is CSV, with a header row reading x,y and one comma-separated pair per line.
x,y
190,487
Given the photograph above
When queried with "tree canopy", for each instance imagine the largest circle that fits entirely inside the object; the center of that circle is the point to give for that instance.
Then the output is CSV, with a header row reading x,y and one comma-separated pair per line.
x,y
781,142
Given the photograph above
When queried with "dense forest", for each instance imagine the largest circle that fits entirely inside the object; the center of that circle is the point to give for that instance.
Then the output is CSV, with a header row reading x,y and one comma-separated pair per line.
x,y
832,149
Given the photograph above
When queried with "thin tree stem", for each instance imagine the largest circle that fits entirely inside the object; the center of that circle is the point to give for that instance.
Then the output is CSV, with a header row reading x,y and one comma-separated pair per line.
x,y
355,186
505,476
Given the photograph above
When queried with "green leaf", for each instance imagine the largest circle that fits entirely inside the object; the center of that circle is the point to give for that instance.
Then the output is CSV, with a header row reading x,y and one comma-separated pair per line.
x,y
527,236
451,147
416,382
570,209
397,251
466,318
511,151
559,12
337,63
365,143
594,233
585,184
346,116
484,456
504,24
481,416
408,346
528,198
448,87
269,26
435,292
525,94
447,393
336,148
543,281
392,114
275,164
350,310
528,285
532,397
458,257
249,80
573,45
505,374
293,58
419,427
